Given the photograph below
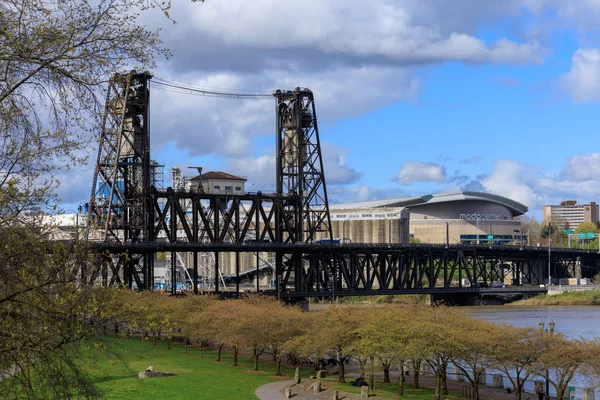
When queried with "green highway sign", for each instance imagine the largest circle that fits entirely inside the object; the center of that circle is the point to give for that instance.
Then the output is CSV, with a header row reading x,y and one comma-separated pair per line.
x,y
591,235
490,237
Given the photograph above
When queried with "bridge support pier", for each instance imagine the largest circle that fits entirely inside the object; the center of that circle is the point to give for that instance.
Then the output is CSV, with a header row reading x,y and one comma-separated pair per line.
x,y
455,299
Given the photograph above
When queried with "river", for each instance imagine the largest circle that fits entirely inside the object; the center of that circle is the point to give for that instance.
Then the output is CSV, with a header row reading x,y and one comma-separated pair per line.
x,y
572,321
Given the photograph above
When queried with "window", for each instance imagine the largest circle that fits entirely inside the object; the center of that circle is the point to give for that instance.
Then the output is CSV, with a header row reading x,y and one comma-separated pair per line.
x,y
217,187
238,188
229,188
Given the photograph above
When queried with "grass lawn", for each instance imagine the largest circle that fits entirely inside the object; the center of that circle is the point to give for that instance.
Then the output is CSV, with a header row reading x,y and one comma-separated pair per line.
x,y
196,378
587,297
390,390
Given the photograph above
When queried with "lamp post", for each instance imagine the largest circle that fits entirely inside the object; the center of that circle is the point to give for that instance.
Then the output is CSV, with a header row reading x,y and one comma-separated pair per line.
x,y
549,263
76,212
344,230
551,326
448,223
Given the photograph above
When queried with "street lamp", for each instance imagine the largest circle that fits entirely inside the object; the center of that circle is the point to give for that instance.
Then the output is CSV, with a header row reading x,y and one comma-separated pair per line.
x,y
549,263
551,325
447,230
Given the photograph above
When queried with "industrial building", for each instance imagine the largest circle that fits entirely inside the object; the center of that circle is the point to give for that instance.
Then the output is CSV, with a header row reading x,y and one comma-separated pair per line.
x,y
569,214
452,218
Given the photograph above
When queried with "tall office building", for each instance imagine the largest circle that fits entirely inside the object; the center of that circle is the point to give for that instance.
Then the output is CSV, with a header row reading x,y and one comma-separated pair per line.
x,y
569,214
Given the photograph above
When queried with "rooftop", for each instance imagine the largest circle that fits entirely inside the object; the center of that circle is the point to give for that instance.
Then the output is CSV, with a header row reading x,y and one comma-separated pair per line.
x,y
217,175
516,207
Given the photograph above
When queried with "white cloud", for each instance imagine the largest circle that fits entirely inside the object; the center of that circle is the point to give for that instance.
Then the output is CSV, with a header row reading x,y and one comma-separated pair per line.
x,y
334,164
261,170
515,181
405,32
418,171
583,80
345,194
583,167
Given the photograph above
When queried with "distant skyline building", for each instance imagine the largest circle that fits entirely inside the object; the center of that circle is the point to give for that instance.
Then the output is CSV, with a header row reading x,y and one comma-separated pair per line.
x,y
569,214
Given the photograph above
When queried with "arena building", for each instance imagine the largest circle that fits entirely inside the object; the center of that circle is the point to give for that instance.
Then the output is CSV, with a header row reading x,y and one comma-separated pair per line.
x,y
453,218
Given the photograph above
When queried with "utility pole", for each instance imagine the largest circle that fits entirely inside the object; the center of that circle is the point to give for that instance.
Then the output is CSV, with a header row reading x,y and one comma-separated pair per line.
x,y
549,261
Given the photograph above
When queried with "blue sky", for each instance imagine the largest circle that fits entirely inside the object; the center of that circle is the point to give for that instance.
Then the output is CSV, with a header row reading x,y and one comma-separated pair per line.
x,y
413,97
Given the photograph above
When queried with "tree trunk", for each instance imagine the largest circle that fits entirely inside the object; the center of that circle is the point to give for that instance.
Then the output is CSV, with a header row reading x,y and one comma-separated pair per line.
x,y
438,386
278,367
386,373
416,366
518,389
168,342
219,353
372,373
362,363
116,329
235,356
201,347
560,391
342,377
475,384
255,353
401,379
444,380
185,340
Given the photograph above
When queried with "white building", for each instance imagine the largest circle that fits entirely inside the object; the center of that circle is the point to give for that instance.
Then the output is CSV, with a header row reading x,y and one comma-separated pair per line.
x,y
216,182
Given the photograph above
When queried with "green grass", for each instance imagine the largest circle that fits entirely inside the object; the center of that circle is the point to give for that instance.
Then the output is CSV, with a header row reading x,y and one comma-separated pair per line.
x,y
587,297
389,390
196,378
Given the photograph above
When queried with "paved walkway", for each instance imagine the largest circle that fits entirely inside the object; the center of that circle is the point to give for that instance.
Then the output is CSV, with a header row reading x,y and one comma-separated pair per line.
x,y
272,391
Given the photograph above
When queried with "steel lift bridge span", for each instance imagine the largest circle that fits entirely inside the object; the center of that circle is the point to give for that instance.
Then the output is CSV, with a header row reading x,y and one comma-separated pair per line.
x,y
131,220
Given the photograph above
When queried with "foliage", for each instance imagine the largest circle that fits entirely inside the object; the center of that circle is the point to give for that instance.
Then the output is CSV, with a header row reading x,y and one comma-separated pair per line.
x,y
586,297
516,355
413,240
586,227
560,359
54,58
472,357
337,331
46,314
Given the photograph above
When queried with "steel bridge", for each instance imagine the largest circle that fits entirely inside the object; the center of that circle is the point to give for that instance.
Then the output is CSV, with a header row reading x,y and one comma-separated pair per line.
x,y
323,270
130,221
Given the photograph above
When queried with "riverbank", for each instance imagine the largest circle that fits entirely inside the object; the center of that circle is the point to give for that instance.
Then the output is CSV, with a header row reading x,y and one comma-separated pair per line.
x,y
585,298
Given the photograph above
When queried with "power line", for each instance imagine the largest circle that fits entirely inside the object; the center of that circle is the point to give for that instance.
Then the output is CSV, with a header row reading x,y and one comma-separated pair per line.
x,y
159,83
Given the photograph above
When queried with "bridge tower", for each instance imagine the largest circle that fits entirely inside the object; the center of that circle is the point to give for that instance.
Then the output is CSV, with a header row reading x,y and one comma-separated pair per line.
x,y
300,174
119,209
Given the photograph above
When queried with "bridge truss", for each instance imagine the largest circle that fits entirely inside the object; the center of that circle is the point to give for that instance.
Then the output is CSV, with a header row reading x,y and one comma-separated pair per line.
x,y
131,221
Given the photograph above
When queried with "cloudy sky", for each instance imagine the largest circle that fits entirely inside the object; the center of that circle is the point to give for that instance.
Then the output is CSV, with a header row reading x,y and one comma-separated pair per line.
x,y
412,97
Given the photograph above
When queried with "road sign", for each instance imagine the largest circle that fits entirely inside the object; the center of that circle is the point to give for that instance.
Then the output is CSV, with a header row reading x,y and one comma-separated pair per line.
x,y
582,235
490,237
591,235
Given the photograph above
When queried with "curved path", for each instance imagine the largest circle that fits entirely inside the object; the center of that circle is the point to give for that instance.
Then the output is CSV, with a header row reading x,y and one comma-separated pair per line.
x,y
272,391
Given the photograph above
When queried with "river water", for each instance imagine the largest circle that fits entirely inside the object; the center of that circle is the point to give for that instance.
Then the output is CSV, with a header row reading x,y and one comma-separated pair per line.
x,y
572,321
